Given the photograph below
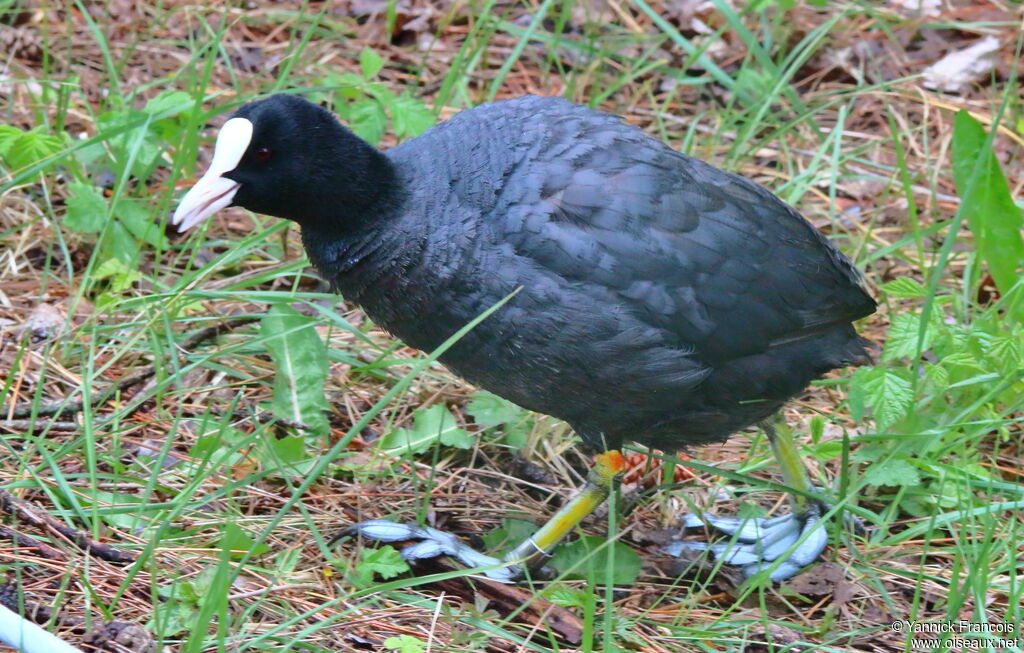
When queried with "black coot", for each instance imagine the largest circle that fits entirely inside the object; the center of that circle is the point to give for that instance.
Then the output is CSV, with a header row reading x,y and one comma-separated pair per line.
x,y
661,300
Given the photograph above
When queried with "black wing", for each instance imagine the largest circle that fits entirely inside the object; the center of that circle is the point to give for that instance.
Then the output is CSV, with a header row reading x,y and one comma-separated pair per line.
x,y
708,256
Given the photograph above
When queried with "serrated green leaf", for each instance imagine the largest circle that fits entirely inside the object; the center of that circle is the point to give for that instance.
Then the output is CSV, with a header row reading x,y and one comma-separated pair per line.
x,y
1007,351
963,359
140,146
488,409
828,450
135,214
380,92
30,147
385,561
937,374
367,119
120,275
567,597
404,644
904,288
894,471
410,116
119,243
457,438
370,63
86,208
430,425
870,452
9,134
988,206
301,359
889,393
901,340
517,435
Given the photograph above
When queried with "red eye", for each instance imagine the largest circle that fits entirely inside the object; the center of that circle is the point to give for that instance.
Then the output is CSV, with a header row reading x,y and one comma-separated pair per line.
x,y
262,154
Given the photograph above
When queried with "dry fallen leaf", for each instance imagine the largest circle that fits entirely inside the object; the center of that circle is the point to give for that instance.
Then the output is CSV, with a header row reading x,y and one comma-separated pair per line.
x,y
958,70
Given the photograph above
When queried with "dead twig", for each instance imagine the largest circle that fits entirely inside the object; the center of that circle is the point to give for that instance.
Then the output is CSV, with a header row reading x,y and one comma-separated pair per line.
x,y
28,513
36,426
24,541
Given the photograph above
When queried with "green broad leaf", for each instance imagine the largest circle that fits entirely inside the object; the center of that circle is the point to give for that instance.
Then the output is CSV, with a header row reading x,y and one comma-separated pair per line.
x,y
904,288
349,85
588,561
172,101
889,393
136,217
509,535
752,84
225,445
488,409
567,597
142,147
1006,351
937,374
380,92
9,134
87,208
288,455
239,543
517,435
869,453
988,206
137,518
370,63
430,425
173,616
301,359
828,450
367,119
901,341
410,116
27,148
963,359
384,561
121,276
895,471
404,644
120,244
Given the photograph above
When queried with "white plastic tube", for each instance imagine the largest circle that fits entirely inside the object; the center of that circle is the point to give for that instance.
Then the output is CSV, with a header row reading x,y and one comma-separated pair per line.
x,y
27,637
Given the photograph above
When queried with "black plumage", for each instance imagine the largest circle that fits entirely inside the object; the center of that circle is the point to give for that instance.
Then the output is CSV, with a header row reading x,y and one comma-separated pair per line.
x,y
661,301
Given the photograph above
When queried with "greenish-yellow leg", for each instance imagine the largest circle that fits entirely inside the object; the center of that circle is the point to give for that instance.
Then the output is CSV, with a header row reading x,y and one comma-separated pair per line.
x,y
794,472
532,553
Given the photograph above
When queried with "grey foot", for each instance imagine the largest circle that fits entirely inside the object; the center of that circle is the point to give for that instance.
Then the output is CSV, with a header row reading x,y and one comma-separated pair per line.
x,y
432,543
759,543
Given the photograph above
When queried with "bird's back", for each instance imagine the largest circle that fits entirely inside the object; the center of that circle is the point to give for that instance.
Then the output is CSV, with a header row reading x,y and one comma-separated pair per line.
x,y
660,299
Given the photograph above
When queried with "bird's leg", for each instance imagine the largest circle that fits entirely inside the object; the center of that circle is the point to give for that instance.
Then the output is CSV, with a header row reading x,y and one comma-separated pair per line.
x,y
766,543
529,556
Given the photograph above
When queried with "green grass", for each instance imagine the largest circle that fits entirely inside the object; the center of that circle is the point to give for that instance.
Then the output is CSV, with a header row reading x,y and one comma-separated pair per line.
x,y
203,472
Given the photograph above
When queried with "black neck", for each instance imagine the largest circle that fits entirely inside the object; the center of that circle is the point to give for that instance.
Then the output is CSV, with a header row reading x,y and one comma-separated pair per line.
x,y
352,238
354,199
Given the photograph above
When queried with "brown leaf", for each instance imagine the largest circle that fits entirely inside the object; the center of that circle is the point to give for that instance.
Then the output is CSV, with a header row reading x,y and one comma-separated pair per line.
x,y
819,580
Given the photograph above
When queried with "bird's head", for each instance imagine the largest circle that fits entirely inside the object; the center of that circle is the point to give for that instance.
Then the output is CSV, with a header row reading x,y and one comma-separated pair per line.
x,y
287,157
